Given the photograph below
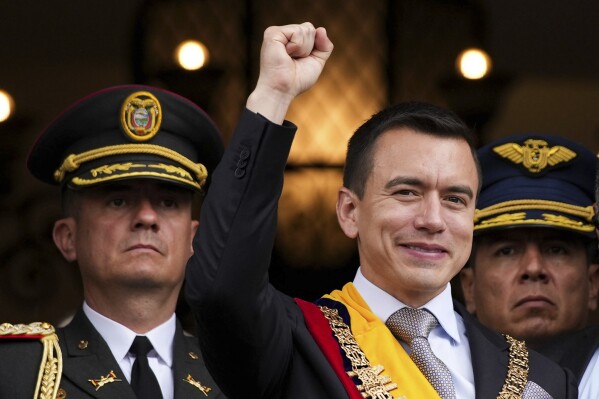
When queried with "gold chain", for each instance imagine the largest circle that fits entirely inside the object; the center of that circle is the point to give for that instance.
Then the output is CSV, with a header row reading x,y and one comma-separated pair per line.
x,y
517,373
373,385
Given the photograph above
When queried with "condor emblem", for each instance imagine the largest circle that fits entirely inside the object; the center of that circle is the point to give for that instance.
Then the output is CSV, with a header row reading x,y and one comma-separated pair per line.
x,y
535,155
141,116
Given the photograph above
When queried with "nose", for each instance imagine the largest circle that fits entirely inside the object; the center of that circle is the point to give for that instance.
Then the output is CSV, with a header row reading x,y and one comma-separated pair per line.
x,y
430,216
145,216
533,266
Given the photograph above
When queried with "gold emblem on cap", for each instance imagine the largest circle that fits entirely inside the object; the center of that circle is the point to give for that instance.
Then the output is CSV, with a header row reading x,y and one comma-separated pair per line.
x,y
141,116
535,155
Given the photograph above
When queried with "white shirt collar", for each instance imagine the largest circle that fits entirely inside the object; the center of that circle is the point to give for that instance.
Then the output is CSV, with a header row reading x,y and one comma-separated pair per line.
x,y
384,305
119,338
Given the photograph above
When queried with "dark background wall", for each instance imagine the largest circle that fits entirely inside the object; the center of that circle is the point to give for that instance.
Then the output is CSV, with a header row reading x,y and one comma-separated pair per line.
x,y
546,58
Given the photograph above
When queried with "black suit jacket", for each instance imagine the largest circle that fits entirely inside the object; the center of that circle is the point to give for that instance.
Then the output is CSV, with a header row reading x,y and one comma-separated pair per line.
x,y
94,360
253,337
574,351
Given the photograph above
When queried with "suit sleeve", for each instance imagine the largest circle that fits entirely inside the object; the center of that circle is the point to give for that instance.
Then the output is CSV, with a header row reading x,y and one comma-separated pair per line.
x,y
244,331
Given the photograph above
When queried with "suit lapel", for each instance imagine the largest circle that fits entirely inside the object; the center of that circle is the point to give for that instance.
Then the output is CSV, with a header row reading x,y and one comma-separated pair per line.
x,y
86,356
489,353
191,378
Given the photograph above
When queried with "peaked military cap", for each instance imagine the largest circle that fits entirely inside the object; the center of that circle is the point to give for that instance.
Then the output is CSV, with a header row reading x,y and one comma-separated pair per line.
x,y
128,132
536,180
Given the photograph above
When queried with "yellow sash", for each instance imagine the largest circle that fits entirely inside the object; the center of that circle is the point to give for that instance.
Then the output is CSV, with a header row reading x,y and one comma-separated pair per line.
x,y
381,347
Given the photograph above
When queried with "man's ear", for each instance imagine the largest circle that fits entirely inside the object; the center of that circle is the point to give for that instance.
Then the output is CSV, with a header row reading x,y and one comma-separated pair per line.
x,y
347,212
467,281
64,234
194,228
594,285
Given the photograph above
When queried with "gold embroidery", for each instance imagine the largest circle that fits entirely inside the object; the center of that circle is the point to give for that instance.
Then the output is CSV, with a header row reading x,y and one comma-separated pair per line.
x,y
562,221
172,169
141,116
105,379
373,384
204,389
50,371
109,169
73,161
38,328
535,155
504,217
86,182
517,374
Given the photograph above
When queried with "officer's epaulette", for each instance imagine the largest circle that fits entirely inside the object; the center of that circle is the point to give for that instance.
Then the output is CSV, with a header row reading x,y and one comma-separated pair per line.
x,y
50,370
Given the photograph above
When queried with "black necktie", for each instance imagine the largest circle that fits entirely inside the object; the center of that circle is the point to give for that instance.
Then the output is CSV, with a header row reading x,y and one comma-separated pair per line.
x,y
143,381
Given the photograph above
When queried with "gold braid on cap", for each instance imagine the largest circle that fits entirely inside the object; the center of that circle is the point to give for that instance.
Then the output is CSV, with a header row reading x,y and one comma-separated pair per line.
x,y
50,372
73,161
504,217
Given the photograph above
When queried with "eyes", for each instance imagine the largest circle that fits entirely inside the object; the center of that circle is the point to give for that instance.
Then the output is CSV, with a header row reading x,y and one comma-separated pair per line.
x,y
454,200
513,249
163,203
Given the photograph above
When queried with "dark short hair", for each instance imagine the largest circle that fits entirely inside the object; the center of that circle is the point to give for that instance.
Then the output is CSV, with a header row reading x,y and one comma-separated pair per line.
x,y
420,117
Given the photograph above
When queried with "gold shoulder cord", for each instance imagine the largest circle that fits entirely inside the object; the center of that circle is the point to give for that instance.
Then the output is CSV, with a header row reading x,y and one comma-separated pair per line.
x,y
517,373
373,385
50,372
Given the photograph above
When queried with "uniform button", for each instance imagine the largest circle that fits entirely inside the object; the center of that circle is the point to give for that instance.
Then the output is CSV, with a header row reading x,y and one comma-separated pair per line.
x,y
61,394
193,355
83,344
245,154
239,173
242,163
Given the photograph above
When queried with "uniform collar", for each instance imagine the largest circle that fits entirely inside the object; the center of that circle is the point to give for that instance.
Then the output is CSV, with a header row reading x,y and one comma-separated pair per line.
x,y
119,338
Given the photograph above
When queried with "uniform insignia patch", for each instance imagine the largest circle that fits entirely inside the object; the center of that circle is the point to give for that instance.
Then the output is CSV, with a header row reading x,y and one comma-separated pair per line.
x,y
103,380
535,155
204,389
141,116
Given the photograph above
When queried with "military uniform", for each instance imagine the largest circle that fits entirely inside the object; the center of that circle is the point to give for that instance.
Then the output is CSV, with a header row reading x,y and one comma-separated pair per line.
x,y
114,135
90,370
30,361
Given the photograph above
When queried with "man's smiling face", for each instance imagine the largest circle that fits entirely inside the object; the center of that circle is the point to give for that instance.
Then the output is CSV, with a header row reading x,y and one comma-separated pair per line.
x,y
414,222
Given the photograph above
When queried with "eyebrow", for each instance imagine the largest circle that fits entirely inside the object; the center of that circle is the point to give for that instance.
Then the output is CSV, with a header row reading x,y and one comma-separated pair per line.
x,y
414,181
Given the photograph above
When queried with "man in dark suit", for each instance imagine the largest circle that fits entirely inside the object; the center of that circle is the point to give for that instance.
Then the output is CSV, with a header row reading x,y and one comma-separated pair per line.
x,y
128,161
579,351
410,185
531,273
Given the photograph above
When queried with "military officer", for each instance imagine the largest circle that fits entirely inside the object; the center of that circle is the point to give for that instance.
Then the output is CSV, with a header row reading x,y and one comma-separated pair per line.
x,y
532,269
129,161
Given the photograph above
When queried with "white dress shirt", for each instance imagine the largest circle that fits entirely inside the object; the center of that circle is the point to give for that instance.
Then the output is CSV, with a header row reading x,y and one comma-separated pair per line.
x,y
119,339
448,340
589,383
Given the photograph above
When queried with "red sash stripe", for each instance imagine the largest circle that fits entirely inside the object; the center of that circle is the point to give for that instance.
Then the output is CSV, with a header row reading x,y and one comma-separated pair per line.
x,y
319,327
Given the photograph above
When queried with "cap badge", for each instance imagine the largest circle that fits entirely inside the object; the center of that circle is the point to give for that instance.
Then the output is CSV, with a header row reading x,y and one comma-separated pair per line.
x,y
535,155
141,116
